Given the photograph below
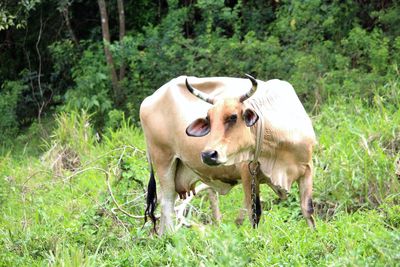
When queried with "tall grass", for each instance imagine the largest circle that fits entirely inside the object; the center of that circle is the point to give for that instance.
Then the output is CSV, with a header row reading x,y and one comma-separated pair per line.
x,y
358,145
67,218
74,130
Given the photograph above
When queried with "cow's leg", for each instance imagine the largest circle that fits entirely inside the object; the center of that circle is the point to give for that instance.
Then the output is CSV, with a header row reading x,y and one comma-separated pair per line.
x,y
305,188
246,182
240,217
165,170
167,208
213,197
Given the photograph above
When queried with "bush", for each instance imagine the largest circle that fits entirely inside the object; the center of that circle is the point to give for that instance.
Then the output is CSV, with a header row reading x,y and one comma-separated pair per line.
x,y
9,96
65,56
92,85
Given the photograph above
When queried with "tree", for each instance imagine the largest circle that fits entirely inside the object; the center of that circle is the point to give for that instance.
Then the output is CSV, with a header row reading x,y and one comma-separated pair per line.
x,y
64,10
15,13
121,16
117,93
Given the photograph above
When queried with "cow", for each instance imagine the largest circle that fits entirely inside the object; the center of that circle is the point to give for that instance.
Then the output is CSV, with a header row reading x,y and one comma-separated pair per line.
x,y
205,129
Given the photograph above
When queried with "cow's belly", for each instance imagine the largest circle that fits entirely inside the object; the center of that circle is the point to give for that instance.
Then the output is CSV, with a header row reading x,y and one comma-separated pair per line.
x,y
280,173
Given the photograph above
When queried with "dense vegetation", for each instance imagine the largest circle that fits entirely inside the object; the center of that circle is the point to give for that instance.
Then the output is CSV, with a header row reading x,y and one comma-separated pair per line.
x,y
65,132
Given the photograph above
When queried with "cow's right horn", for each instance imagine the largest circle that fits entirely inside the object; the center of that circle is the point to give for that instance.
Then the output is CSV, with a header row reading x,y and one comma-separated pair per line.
x,y
252,90
199,94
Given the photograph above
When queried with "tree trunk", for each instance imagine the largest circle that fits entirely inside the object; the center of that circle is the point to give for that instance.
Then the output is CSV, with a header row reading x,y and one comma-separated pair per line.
x,y
65,12
121,15
109,58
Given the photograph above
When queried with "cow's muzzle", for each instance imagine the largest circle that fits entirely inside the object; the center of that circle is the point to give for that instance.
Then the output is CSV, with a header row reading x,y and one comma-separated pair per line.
x,y
210,157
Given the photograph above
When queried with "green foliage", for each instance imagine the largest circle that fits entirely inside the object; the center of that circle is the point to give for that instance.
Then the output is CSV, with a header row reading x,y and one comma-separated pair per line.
x,y
65,56
322,57
116,119
15,13
9,96
324,48
367,50
92,88
388,18
357,165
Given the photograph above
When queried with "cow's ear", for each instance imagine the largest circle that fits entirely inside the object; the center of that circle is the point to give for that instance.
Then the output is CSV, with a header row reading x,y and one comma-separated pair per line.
x,y
198,128
250,117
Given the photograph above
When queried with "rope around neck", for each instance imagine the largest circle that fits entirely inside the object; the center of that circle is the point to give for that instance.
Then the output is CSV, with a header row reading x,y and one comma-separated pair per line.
x,y
254,165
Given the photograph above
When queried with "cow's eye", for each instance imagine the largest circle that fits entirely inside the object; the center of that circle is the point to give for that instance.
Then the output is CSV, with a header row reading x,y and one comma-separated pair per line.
x,y
232,118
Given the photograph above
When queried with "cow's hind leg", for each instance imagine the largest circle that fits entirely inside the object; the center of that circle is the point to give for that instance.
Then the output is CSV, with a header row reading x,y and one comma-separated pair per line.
x,y
168,200
305,188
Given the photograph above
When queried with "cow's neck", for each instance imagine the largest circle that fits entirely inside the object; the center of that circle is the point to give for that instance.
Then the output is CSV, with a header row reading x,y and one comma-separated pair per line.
x,y
258,131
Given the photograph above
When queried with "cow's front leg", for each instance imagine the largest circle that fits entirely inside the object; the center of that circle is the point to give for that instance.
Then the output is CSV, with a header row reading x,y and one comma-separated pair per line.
x,y
305,188
213,197
248,202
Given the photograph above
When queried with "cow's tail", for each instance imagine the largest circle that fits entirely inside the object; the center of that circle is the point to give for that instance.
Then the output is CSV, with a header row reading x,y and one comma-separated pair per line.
x,y
151,196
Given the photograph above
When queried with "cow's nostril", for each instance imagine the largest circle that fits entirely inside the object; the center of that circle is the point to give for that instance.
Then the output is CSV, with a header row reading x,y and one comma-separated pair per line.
x,y
210,157
214,155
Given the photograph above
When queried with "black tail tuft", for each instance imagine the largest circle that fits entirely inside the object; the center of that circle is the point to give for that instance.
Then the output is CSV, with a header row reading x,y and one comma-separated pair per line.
x,y
258,210
310,208
151,199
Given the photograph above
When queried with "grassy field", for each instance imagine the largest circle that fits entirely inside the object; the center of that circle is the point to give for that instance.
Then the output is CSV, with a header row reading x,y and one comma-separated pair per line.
x,y
56,209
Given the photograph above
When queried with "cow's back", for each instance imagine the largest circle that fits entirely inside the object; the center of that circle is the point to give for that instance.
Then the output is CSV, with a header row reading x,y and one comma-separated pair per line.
x,y
282,112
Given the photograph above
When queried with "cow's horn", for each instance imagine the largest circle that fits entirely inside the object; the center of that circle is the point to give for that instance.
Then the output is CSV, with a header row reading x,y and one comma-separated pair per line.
x,y
252,90
199,94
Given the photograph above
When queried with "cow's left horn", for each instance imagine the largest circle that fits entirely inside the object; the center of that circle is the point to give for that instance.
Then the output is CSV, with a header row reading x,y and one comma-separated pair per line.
x,y
252,90
199,94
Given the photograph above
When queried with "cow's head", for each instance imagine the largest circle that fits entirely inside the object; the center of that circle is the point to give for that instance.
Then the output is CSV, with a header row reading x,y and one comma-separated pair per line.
x,y
228,122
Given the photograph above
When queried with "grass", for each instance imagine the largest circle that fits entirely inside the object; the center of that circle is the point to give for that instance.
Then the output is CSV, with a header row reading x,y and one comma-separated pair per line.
x,y
358,145
65,217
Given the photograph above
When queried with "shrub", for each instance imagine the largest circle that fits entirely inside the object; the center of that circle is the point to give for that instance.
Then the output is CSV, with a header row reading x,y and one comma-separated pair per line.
x,y
92,85
9,96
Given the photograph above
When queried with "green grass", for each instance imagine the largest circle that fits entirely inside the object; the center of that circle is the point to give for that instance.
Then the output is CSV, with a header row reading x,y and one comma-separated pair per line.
x,y
358,145
66,217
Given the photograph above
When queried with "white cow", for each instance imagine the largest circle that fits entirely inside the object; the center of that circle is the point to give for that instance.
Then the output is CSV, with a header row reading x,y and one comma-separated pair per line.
x,y
205,129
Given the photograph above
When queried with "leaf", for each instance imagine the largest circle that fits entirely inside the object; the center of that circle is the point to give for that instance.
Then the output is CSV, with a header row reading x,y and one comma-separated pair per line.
x,y
96,103
293,24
